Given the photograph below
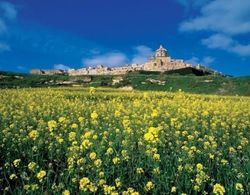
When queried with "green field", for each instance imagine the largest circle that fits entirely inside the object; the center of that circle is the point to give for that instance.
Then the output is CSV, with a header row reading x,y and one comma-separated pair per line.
x,y
186,81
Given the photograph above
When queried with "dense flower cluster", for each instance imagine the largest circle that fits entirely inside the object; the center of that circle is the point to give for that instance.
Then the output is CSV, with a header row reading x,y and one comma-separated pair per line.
x,y
106,141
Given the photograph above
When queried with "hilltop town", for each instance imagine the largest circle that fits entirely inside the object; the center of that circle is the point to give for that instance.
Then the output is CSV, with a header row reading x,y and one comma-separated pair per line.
x,y
160,72
160,62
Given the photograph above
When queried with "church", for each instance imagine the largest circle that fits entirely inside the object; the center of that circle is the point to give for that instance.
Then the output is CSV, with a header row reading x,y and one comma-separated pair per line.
x,y
161,61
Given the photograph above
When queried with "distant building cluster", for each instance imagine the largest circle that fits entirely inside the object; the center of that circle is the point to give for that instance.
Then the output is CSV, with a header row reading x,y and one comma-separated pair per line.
x,y
161,62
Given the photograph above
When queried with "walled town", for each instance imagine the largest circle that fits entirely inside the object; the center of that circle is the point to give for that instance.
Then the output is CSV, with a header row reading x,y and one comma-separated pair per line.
x,y
160,62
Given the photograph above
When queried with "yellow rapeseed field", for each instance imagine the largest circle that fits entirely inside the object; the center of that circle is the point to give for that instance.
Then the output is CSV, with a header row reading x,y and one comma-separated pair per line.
x,y
107,141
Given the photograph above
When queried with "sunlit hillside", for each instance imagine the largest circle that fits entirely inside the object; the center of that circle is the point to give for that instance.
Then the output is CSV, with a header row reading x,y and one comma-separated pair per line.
x,y
185,80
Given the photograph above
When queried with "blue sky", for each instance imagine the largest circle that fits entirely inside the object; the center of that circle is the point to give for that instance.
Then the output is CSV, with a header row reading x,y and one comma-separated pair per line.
x,y
72,34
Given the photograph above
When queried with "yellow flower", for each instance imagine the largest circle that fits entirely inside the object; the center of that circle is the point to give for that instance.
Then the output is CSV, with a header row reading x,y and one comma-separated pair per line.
x,y
59,139
13,176
74,126
190,137
153,130
61,119
156,170
52,124
83,183
239,187
152,134
66,192
218,189
116,160
232,150
117,113
154,113
98,163
139,170
34,187
110,151
16,162
33,134
118,182
32,166
109,189
92,155
125,153
87,134
94,115
173,189
199,167
130,191
101,182
211,156
101,174
80,161
86,143
92,187
72,136
156,156
224,162
92,90
180,168
149,186
197,188
41,175
149,137
80,119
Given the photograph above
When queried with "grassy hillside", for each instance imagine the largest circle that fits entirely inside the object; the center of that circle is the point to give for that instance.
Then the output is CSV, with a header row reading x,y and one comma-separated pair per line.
x,y
188,82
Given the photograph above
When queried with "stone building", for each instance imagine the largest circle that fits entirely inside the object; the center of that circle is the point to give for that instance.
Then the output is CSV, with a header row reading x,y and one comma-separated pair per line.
x,y
48,72
161,61
77,72
37,71
55,71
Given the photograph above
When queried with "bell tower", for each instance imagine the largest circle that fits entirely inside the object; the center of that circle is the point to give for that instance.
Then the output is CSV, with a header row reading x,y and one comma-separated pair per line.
x,y
161,52
161,61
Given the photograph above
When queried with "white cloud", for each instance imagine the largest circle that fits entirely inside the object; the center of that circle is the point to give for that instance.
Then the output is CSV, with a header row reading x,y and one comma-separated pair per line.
x,y
219,41
4,47
142,53
188,4
207,60
227,16
225,19
9,10
243,50
61,67
193,60
108,59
